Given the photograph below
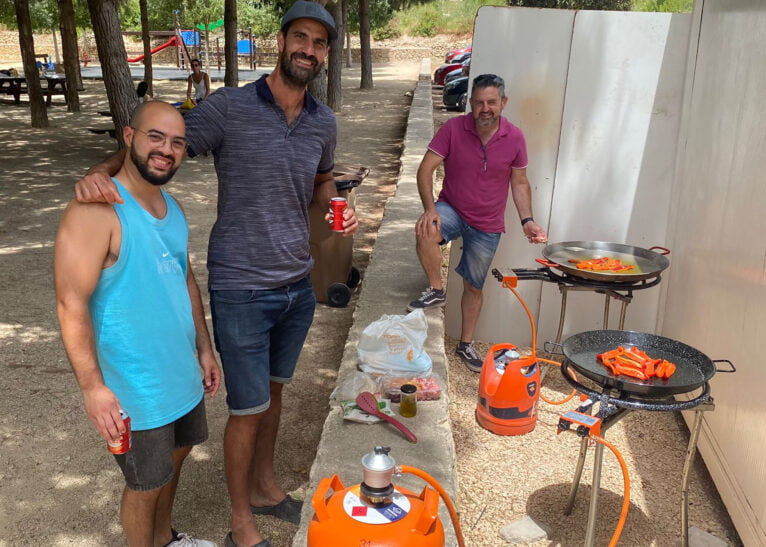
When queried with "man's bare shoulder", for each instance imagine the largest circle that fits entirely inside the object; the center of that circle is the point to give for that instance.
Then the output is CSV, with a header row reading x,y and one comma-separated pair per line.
x,y
89,215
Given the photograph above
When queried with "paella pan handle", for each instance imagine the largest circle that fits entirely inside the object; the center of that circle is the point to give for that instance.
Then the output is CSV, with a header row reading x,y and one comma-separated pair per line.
x,y
733,368
553,348
546,262
666,251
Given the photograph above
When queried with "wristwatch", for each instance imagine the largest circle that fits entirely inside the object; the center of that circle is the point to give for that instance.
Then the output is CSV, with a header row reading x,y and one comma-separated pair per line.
x,y
525,220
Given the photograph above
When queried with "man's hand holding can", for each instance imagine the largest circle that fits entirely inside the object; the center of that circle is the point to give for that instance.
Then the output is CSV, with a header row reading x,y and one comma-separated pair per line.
x,y
341,217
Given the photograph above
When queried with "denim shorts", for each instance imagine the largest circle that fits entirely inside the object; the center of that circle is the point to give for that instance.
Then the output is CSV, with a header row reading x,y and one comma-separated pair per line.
x,y
259,335
478,247
148,464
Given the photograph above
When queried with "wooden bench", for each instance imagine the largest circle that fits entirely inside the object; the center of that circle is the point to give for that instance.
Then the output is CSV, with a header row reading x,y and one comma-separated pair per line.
x,y
49,93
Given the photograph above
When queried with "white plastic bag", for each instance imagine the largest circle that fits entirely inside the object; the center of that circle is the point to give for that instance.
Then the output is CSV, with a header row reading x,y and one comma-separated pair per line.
x,y
394,343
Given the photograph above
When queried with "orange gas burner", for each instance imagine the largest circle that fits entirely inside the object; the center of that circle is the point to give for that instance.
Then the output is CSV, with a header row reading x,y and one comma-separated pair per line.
x,y
348,518
376,513
509,388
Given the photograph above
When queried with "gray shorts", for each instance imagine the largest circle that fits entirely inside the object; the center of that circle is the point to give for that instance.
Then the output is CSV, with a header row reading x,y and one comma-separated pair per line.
x,y
148,464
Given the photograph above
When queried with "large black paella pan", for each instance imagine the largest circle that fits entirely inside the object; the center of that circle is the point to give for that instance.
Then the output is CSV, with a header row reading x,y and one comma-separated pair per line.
x,y
693,368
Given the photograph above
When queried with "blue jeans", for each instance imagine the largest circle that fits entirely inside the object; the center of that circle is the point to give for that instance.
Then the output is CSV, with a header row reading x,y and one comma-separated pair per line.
x,y
478,247
259,335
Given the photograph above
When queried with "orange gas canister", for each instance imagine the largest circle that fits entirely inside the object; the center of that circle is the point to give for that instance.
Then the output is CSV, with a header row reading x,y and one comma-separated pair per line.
x,y
508,392
345,519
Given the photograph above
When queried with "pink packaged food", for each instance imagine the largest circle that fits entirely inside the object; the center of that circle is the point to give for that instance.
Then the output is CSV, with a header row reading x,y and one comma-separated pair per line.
x,y
428,387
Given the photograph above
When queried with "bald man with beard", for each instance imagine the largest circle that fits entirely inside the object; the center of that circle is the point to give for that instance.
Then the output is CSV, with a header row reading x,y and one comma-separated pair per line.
x,y
133,324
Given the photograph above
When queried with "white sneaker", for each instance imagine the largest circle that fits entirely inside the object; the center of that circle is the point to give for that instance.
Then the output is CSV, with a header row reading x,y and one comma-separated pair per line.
x,y
185,540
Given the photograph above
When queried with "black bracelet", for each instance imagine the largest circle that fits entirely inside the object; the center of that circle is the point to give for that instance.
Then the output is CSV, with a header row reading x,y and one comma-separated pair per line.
x,y
525,220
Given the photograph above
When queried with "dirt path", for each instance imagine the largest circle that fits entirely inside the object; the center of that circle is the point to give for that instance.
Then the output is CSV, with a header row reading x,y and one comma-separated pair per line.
x,y
58,484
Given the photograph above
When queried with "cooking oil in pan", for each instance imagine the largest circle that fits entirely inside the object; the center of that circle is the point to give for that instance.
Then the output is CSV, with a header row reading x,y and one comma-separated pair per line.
x,y
578,253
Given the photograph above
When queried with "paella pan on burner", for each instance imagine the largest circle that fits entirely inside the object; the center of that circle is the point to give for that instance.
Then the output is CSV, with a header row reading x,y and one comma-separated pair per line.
x,y
693,368
646,263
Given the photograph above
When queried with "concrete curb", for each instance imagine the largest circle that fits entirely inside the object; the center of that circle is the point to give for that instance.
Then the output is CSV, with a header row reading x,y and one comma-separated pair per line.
x,y
393,278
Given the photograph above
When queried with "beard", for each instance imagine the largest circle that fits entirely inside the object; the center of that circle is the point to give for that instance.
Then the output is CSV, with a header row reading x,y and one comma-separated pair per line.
x,y
486,122
142,165
298,76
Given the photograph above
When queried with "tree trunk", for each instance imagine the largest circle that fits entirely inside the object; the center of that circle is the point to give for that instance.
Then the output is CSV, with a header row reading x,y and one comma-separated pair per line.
x,y
335,60
318,86
348,34
70,54
207,64
114,64
146,39
364,39
27,45
55,47
231,76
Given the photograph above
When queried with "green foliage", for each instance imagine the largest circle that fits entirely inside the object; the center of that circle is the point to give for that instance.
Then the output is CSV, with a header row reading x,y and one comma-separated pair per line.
x,y
130,14
380,14
263,20
425,27
386,33
674,6
162,14
205,12
614,5
440,17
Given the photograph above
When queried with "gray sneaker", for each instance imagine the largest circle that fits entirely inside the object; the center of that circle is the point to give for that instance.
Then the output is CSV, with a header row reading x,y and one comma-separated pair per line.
x,y
185,540
465,351
431,298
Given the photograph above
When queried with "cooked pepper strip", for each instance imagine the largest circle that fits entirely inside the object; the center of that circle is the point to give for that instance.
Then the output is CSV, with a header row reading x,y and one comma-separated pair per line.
x,y
635,363
601,264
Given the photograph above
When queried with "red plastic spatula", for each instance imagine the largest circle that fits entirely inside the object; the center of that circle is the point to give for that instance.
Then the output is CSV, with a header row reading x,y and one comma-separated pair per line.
x,y
367,402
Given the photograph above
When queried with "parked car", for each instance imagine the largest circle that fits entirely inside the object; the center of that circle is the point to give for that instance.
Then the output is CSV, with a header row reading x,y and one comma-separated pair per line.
x,y
457,74
450,54
461,57
441,73
454,94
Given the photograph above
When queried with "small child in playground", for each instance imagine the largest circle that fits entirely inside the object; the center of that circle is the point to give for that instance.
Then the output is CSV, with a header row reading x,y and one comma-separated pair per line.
x,y
200,81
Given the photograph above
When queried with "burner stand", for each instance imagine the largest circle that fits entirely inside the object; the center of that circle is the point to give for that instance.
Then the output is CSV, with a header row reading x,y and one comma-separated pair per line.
x,y
613,406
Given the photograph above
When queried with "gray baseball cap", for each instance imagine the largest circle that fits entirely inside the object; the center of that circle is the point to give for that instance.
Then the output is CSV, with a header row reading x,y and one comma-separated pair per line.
x,y
303,9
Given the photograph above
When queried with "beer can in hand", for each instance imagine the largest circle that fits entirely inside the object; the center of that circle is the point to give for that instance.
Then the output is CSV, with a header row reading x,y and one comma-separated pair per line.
x,y
123,445
337,206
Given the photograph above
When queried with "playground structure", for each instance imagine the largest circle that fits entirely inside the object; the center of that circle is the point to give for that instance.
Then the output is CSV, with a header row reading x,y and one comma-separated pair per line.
x,y
189,44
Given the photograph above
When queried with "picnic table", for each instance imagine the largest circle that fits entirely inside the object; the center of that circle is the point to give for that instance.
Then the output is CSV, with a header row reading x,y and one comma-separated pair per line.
x,y
17,85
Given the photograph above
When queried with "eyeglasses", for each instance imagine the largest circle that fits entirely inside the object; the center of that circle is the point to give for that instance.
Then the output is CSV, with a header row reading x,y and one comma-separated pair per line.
x,y
483,80
158,138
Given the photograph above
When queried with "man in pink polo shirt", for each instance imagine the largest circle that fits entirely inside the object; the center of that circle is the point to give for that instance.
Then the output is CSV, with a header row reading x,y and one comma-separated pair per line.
x,y
484,155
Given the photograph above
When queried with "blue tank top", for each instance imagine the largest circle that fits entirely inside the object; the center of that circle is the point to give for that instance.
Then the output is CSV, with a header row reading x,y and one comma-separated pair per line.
x,y
142,318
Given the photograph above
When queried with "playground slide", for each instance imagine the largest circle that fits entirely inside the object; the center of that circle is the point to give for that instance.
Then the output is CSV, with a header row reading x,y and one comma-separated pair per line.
x,y
170,42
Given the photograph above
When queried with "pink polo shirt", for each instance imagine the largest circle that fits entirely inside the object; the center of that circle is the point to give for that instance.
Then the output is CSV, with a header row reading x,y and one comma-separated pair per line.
x,y
477,178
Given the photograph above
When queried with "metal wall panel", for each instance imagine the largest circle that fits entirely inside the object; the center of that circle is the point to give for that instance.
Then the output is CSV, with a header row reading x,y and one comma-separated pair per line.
x,y
529,48
717,287
618,147
605,171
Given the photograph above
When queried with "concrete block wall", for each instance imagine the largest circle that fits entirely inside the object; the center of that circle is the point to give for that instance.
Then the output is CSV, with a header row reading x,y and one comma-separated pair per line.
x,y
392,278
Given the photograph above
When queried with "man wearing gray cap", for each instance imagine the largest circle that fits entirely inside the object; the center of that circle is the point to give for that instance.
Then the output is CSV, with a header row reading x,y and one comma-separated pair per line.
x,y
273,146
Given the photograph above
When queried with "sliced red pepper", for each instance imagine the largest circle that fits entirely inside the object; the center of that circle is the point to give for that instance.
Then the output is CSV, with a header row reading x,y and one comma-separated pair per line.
x,y
634,373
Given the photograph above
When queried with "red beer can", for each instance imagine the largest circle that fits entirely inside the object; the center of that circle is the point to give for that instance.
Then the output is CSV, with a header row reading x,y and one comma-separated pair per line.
x,y
123,445
337,206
